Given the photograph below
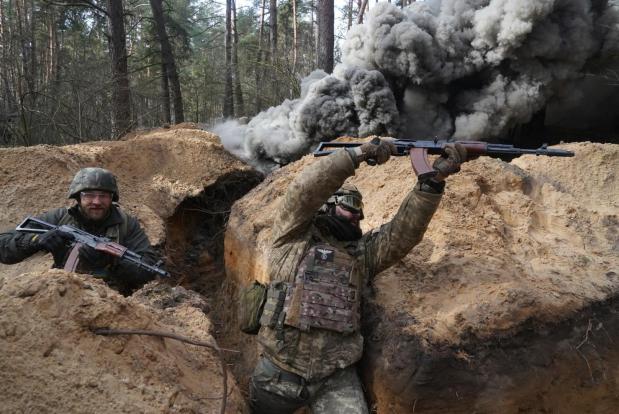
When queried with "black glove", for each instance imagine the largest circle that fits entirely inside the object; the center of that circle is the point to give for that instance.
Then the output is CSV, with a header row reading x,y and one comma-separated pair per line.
x,y
93,258
54,241
449,163
377,151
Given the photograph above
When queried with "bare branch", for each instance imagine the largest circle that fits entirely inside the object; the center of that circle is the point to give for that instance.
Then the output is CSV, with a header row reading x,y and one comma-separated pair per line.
x,y
224,398
78,3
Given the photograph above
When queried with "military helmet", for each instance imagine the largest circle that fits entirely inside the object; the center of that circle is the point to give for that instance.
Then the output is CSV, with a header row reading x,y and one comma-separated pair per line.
x,y
349,197
93,178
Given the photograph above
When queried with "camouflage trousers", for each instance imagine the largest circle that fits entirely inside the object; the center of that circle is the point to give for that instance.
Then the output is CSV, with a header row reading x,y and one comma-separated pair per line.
x,y
273,391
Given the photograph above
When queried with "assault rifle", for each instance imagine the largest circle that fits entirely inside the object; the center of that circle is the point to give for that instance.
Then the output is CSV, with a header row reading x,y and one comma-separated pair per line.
x,y
101,244
419,150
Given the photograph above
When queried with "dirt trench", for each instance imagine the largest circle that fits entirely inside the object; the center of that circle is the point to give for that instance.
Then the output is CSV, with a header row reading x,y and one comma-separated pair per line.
x,y
567,367
195,257
195,232
529,328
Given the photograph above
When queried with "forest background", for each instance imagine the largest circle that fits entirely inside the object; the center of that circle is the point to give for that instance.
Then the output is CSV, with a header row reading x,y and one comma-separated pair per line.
x,y
78,70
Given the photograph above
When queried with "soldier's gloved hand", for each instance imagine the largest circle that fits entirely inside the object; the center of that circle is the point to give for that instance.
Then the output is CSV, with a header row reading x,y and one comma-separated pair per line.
x,y
93,258
449,162
54,241
377,151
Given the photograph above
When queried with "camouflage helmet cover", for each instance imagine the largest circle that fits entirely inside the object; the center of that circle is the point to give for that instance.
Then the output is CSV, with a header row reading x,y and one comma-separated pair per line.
x,y
349,196
93,178
349,189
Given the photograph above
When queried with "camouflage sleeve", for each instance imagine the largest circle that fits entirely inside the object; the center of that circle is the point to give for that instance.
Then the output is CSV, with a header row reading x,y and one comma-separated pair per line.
x,y
16,247
307,192
393,240
136,241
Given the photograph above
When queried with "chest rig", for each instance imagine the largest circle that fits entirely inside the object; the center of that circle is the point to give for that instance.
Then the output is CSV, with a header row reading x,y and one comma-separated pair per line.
x,y
325,293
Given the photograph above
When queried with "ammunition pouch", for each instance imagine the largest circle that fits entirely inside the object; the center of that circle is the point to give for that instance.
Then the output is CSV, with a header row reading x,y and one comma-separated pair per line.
x,y
251,303
273,314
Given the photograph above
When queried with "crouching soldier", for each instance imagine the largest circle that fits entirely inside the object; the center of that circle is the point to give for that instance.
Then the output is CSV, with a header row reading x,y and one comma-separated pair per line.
x,y
96,192
310,328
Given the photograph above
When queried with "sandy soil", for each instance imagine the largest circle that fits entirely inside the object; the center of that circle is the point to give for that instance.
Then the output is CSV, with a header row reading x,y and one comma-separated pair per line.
x,y
510,242
51,361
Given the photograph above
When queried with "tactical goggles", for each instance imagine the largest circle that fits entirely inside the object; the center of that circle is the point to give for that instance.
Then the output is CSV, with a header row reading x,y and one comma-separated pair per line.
x,y
350,202
91,195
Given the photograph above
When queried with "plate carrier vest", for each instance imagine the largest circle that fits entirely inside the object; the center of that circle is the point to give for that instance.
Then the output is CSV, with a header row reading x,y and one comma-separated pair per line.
x,y
324,294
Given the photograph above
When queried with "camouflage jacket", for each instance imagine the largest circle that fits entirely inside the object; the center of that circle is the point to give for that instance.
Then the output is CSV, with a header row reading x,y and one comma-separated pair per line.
x,y
319,352
118,226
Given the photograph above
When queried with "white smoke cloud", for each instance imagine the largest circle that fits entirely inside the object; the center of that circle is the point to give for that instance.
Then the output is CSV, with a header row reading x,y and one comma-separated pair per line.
x,y
373,100
353,102
469,69
428,117
232,134
488,111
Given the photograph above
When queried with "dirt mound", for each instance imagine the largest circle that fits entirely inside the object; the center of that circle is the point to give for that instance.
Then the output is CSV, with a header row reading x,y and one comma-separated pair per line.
x,y
522,248
51,361
156,172
180,183
510,242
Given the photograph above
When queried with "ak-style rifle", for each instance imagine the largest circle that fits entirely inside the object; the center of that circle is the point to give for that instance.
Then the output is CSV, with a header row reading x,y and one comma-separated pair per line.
x,y
101,244
419,150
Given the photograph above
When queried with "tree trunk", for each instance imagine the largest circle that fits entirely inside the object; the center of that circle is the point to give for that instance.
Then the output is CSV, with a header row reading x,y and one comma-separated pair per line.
x,y
33,54
9,62
313,34
238,92
168,58
228,109
5,105
5,109
22,74
165,95
273,30
325,35
121,94
350,4
361,10
295,43
273,44
49,74
258,68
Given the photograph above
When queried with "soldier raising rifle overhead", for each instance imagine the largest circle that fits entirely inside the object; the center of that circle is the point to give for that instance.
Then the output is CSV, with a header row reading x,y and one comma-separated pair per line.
x,y
319,261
